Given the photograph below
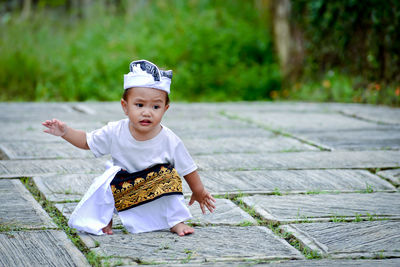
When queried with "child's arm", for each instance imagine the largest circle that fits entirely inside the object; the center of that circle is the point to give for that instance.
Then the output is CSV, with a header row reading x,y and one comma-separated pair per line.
x,y
59,128
200,194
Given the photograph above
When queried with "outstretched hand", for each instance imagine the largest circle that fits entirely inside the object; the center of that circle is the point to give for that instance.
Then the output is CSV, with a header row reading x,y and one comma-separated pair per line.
x,y
205,200
55,127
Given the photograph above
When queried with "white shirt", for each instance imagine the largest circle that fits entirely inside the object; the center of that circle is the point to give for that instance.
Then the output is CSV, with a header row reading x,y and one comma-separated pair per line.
x,y
132,155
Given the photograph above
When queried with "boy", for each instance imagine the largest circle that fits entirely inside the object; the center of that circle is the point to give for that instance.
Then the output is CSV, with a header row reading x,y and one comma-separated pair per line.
x,y
143,184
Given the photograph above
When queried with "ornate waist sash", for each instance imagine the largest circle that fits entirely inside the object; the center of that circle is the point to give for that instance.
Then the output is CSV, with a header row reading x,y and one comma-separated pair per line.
x,y
134,189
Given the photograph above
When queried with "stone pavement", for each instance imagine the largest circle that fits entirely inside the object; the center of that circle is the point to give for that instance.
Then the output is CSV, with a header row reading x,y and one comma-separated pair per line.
x,y
297,184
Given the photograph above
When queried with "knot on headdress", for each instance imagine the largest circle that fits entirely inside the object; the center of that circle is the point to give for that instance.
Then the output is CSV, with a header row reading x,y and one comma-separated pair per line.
x,y
143,73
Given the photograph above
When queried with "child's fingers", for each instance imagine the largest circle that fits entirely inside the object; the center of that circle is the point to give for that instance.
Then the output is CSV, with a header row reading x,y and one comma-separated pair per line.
x,y
210,207
203,210
191,201
46,123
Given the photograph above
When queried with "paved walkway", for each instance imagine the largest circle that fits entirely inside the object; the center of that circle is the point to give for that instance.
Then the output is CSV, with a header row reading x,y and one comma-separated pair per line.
x,y
298,184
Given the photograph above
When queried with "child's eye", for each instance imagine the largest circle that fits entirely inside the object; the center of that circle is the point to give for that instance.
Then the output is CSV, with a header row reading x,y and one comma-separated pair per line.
x,y
139,105
156,107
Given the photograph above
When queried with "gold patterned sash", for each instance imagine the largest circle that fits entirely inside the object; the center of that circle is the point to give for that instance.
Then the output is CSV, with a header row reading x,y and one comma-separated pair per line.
x,y
134,189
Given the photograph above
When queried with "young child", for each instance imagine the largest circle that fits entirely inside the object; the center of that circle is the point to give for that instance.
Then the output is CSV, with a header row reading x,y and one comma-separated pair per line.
x,y
144,184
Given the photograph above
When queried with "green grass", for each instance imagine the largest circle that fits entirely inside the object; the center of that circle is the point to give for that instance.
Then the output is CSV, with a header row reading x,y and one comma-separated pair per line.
x,y
277,192
335,86
61,222
293,241
218,52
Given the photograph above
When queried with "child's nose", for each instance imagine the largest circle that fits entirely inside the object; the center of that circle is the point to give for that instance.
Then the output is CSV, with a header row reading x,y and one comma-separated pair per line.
x,y
146,112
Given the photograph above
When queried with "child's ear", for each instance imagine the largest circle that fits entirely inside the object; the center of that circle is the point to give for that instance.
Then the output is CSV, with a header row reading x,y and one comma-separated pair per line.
x,y
124,105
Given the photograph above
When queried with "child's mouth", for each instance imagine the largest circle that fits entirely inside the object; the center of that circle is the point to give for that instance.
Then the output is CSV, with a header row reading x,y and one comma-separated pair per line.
x,y
145,122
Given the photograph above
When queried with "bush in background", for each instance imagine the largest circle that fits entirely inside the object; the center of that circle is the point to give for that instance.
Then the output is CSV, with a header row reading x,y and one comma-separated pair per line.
x,y
352,50
218,51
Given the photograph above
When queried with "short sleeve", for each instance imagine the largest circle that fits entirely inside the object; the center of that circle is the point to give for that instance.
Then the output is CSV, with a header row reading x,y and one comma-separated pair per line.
x,y
99,141
183,162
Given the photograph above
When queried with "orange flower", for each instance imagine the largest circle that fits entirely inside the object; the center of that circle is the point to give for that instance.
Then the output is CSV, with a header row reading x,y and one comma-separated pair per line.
x,y
326,84
274,94
377,86
397,92
285,92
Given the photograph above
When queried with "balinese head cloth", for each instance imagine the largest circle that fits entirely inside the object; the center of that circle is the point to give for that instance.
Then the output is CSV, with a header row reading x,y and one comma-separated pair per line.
x,y
143,73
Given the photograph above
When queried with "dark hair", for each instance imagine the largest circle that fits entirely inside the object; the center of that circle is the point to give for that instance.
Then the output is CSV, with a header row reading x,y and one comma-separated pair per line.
x,y
126,91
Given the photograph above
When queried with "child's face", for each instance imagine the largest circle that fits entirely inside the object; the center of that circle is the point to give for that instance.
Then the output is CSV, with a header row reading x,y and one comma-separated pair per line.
x,y
145,108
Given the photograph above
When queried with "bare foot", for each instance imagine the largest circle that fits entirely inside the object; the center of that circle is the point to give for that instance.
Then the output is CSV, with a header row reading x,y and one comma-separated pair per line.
x,y
108,229
182,229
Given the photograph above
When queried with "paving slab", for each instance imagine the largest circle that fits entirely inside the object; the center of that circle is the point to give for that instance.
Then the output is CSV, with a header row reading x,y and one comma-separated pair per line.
x,y
18,209
300,122
392,175
368,239
64,187
19,112
337,263
315,263
43,150
39,248
71,187
23,168
63,150
249,132
292,181
245,144
382,138
329,129
226,213
325,207
380,114
32,130
299,160
206,244
221,124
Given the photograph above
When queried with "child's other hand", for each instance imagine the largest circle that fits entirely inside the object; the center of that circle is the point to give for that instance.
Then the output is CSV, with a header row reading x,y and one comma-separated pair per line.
x,y
205,200
55,127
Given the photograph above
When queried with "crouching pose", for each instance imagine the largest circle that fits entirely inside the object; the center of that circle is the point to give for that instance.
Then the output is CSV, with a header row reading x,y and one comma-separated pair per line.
x,y
143,184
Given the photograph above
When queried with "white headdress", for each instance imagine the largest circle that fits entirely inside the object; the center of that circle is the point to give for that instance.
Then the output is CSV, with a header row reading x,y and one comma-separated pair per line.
x,y
143,73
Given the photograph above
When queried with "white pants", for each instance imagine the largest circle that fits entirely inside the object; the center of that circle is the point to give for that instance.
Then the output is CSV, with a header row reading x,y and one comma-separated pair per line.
x,y
96,208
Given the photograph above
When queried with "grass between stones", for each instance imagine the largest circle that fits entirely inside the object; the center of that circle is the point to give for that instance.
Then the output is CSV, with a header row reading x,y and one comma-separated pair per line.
x,y
375,171
288,236
61,222
274,226
274,131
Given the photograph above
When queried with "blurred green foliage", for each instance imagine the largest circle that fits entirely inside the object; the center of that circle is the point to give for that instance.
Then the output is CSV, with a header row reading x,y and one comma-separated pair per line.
x,y
352,50
69,51
218,51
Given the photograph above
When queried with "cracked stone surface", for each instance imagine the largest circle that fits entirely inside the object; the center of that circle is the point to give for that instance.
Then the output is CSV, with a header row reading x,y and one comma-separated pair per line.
x,y
71,187
23,168
368,239
290,263
39,248
233,243
292,181
18,209
324,207
45,150
392,175
300,160
321,156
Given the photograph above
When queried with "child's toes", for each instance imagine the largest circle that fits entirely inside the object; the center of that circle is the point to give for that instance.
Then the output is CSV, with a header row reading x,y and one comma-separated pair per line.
x,y
188,231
